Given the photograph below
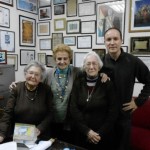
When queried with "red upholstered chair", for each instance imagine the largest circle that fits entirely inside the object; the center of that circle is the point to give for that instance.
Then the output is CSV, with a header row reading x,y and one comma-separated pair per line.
x,y
140,133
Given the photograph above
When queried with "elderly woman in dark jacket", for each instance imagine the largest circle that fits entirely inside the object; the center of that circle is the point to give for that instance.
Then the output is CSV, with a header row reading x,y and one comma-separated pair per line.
x,y
93,106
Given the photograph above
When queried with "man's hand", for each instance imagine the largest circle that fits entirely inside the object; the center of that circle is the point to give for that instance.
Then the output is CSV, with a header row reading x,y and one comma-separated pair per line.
x,y
1,139
13,84
104,77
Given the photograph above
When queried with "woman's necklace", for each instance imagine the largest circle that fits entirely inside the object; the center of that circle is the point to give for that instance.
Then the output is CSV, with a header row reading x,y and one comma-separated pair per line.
x,y
90,92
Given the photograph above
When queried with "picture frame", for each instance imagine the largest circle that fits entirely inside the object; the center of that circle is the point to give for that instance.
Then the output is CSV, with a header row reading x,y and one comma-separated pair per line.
x,y
13,60
42,3
27,31
56,2
88,27
7,40
45,44
3,56
27,5
139,16
43,28
125,48
73,26
26,55
78,58
100,52
140,45
69,40
112,19
50,62
45,13
71,8
59,9
87,9
42,58
4,17
7,2
60,24
57,38
145,60
84,42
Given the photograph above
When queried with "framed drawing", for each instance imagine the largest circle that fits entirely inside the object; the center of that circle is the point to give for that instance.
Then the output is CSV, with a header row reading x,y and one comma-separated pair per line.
x,y
108,16
140,45
60,24
45,44
57,38
27,5
59,9
27,31
3,57
4,17
78,58
50,62
73,26
125,48
26,56
71,8
42,57
84,42
7,40
13,59
44,3
139,20
86,9
43,28
45,13
55,2
70,40
100,52
146,60
7,2
88,27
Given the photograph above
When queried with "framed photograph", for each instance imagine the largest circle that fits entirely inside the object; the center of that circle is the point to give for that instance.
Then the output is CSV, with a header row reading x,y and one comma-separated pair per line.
x,y
43,28
50,62
60,24
59,9
78,58
57,38
3,57
42,57
27,31
100,52
70,40
7,2
44,3
7,40
140,45
146,60
26,56
13,60
139,20
45,13
27,5
84,42
4,17
108,16
125,48
55,2
71,8
45,44
73,26
88,27
86,9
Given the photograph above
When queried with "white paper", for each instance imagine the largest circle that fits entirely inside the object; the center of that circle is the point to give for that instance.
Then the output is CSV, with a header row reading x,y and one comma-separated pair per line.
x,y
6,146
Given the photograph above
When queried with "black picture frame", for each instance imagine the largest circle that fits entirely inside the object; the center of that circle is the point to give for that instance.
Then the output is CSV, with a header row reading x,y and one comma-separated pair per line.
x,y
101,52
45,13
45,44
69,40
59,9
71,10
56,2
13,60
3,56
50,62
57,38
10,3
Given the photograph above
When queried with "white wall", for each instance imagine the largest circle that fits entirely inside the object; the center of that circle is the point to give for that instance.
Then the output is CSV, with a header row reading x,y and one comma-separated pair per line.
x,y
14,26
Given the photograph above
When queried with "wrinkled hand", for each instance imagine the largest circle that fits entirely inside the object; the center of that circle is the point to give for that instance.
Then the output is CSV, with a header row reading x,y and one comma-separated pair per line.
x,y
93,137
1,139
13,84
38,132
104,77
130,106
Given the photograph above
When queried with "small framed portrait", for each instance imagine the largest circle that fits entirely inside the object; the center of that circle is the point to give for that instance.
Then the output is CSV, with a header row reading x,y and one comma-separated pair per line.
x,y
45,13
100,52
3,57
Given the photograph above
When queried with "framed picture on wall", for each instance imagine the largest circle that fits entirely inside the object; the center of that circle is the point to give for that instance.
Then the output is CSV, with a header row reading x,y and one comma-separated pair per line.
x,y
7,40
42,57
45,44
43,3
27,31
59,9
50,62
26,56
100,52
43,28
3,57
71,8
57,38
70,40
13,59
45,13
60,24
55,2
7,2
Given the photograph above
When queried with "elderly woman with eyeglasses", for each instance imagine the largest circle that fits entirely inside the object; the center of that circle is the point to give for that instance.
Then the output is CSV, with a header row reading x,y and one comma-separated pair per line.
x,y
30,102
93,106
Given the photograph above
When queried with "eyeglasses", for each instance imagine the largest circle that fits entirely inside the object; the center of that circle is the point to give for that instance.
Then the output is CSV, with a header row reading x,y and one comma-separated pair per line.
x,y
93,64
31,73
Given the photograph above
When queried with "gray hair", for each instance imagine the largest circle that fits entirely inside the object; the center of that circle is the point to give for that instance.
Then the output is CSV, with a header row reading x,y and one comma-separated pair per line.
x,y
92,53
36,64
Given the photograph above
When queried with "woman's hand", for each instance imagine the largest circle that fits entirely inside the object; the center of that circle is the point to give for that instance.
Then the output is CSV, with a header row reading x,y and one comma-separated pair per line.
x,y
38,132
1,139
93,137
